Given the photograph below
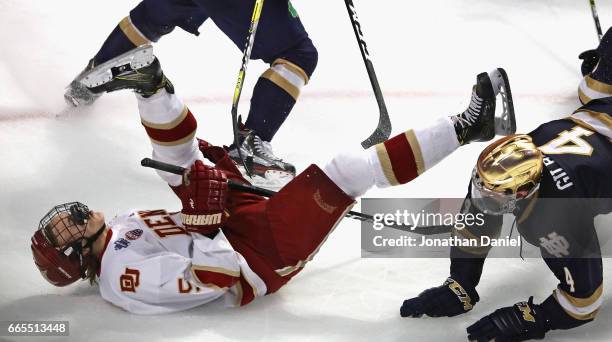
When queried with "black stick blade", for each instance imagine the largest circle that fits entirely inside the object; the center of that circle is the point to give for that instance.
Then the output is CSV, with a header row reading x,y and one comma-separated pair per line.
x,y
380,134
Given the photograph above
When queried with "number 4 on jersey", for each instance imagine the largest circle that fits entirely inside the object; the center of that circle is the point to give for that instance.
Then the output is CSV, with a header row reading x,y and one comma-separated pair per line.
x,y
569,280
569,142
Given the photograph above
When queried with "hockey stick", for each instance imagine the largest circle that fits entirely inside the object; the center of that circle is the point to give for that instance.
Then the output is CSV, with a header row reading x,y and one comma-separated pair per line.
x,y
241,74
596,19
383,130
178,170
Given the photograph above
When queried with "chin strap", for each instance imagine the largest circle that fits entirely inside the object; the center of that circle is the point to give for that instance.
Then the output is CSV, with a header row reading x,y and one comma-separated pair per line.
x,y
89,241
94,237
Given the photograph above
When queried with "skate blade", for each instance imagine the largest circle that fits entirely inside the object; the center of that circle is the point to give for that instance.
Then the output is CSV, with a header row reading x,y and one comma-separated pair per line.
x,y
71,100
271,180
77,95
137,58
505,122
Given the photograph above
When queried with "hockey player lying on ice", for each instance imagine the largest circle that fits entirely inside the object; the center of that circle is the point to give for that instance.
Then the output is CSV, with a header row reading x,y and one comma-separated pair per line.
x,y
554,180
225,243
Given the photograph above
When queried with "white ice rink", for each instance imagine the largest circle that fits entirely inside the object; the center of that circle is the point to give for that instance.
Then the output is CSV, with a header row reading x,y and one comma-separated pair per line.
x,y
426,55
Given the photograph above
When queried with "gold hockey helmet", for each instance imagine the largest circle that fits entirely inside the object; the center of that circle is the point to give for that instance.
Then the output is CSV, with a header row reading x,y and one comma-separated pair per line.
x,y
506,171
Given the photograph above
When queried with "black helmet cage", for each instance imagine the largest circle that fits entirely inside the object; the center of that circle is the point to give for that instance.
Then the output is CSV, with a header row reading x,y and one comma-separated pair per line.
x,y
78,214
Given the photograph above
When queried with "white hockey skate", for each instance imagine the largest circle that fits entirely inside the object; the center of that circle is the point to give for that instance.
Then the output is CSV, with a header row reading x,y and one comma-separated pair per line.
x,y
266,169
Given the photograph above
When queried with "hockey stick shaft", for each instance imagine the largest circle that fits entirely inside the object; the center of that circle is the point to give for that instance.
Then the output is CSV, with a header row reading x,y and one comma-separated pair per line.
x,y
596,19
383,130
178,170
246,56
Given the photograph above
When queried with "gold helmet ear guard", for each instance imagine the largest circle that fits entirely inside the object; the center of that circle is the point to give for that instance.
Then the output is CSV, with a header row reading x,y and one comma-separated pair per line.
x,y
506,171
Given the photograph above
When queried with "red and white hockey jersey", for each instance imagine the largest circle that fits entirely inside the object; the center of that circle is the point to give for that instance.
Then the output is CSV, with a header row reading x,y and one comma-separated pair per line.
x,y
151,265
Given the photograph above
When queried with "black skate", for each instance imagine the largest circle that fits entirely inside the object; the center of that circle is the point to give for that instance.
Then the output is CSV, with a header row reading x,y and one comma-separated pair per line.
x,y
137,69
478,122
596,66
267,170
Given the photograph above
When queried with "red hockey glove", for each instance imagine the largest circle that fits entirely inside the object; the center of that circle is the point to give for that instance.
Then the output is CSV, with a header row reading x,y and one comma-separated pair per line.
x,y
204,198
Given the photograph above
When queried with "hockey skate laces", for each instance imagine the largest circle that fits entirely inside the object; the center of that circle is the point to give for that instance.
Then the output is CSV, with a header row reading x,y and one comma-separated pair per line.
x,y
264,147
471,113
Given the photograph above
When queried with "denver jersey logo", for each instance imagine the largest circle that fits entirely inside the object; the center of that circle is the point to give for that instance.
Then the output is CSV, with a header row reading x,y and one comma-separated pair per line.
x,y
129,280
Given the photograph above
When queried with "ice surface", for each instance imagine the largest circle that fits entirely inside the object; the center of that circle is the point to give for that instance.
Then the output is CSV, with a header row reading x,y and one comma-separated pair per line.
x,y
426,55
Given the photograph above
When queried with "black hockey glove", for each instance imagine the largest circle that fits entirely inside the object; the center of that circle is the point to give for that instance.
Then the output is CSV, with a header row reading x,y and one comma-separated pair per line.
x,y
590,58
520,322
449,299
